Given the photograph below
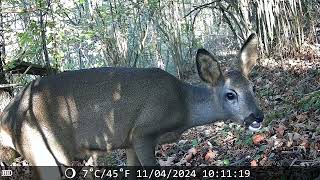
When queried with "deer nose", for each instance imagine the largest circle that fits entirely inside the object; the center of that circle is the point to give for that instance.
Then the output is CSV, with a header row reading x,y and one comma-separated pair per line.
x,y
259,116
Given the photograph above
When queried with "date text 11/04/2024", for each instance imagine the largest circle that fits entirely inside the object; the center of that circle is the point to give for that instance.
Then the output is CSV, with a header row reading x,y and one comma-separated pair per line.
x,y
70,173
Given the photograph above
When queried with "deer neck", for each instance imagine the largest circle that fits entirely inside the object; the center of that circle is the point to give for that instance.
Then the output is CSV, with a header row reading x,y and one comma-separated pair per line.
x,y
204,106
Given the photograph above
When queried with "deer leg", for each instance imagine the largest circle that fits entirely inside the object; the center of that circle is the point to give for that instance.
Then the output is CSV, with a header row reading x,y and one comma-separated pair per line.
x,y
133,162
39,153
144,148
132,158
43,158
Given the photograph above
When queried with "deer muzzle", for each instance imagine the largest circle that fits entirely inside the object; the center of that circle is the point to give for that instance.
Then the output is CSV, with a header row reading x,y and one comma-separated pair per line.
x,y
254,122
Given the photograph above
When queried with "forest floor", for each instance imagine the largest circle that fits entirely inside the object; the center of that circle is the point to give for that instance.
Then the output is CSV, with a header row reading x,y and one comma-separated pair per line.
x,y
289,94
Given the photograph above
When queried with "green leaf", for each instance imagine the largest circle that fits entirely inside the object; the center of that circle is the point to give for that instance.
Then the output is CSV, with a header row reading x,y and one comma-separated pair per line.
x,y
262,148
81,2
248,140
226,162
195,143
89,34
311,101
24,39
258,156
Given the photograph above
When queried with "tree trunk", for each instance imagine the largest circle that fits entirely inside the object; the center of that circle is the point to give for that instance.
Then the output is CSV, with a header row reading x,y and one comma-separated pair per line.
x,y
43,37
2,48
5,93
244,7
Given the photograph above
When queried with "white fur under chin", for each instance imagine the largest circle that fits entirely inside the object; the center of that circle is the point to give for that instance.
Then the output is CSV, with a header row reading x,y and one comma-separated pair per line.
x,y
255,129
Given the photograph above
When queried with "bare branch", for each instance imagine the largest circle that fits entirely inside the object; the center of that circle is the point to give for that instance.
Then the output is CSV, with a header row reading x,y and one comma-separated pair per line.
x,y
4,86
201,7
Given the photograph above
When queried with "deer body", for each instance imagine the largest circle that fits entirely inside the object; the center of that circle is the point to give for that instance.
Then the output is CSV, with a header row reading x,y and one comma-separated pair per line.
x,y
59,118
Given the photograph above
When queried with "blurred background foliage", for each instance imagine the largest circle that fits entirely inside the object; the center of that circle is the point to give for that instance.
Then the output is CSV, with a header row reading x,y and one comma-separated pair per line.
x,y
77,34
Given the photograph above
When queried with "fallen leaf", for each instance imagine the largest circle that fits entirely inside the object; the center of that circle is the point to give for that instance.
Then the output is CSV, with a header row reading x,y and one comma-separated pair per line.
x,y
168,162
257,138
188,157
277,143
210,155
181,162
182,141
280,130
207,133
302,117
317,146
272,155
263,161
296,136
192,151
270,142
210,144
278,98
254,163
305,143
290,140
165,147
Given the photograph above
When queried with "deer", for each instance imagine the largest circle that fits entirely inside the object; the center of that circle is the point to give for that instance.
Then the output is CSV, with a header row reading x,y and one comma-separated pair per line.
x,y
59,118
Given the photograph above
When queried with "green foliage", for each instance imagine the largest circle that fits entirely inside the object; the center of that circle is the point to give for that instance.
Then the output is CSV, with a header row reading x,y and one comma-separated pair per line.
x,y
122,32
274,115
311,101
194,143
266,92
88,34
197,43
81,2
29,41
51,24
24,80
262,148
226,162
257,157
153,4
9,65
24,39
244,140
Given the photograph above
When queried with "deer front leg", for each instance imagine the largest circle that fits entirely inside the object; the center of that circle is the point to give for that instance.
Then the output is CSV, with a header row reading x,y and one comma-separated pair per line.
x,y
133,162
144,149
132,158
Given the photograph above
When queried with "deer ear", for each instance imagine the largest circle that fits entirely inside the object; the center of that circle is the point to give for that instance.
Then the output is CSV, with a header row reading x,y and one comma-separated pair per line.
x,y
248,54
208,68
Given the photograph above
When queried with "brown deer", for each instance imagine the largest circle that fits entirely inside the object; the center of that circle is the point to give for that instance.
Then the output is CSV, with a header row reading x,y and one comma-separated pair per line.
x,y
58,118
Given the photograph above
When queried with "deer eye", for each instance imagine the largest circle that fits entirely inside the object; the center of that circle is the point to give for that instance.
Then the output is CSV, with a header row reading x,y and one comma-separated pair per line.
x,y
230,96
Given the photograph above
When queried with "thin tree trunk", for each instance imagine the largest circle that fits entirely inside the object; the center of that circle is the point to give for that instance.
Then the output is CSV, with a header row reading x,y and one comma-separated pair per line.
x,y
5,94
81,66
244,7
2,48
44,38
